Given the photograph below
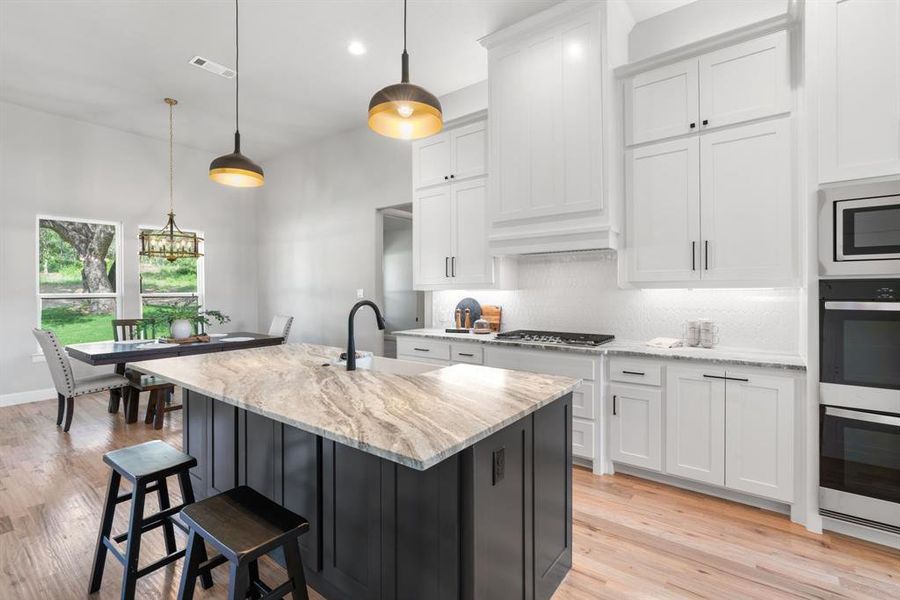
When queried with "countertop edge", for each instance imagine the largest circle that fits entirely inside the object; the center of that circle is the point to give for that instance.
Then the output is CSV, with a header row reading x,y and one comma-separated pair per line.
x,y
753,359
417,464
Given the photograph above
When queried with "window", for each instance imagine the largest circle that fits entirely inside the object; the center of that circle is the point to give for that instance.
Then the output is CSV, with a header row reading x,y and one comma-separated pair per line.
x,y
78,287
166,285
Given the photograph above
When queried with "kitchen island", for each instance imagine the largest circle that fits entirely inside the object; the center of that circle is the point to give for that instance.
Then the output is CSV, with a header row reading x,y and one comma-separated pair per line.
x,y
418,481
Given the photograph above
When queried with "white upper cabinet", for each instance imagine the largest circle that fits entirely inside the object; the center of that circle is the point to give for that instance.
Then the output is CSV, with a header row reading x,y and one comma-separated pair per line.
x,y
471,261
739,83
663,182
745,81
859,94
759,435
661,103
432,236
451,155
545,131
747,213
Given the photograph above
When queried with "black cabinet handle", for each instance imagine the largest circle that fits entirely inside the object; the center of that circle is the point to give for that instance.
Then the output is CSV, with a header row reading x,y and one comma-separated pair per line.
x,y
446,178
693,125
706,121
693,256
421,349
706,255
446,266
614,406
452,176
470,355
453,266
725,377
633,373
714,376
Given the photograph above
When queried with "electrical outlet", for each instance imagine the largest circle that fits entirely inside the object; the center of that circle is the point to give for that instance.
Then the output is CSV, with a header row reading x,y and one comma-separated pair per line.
x,y
499,459
360,294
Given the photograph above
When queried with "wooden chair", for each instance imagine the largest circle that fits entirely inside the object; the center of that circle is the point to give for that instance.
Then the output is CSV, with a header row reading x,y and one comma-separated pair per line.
x,y
128,329
147,466
243,525
281,325
67,387
159,403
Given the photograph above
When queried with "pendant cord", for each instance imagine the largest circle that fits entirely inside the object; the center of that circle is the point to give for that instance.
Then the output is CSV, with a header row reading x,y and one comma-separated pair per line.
x,y
171,158
237,70
404,25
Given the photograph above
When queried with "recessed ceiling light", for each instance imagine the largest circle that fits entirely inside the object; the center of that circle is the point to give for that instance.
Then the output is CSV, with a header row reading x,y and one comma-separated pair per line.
x,y
356,48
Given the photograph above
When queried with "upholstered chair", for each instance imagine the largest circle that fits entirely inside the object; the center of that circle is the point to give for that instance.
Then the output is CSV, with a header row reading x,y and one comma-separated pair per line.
x,y
281,325
67,387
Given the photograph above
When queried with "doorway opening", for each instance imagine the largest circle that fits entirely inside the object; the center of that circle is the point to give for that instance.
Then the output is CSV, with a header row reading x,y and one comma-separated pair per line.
x,y
403,307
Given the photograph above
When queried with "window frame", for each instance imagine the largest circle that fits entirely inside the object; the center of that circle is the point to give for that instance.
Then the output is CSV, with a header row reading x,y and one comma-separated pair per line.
x,y
201,274
118,295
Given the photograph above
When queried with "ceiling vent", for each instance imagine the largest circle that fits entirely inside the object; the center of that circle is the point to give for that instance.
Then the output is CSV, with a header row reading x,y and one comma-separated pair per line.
x,y
212,67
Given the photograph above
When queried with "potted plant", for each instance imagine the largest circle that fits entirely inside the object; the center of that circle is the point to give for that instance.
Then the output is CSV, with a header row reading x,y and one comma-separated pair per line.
x,y
185,318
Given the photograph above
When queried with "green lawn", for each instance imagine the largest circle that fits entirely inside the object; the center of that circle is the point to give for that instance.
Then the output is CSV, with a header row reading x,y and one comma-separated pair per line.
x,y
72,326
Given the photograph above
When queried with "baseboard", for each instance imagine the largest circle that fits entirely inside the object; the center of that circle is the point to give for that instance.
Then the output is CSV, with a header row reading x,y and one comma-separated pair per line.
x,y
25,397
709,490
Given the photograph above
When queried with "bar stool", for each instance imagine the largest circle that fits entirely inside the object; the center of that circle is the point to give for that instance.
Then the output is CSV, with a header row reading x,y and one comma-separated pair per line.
x,y
147,466
242,525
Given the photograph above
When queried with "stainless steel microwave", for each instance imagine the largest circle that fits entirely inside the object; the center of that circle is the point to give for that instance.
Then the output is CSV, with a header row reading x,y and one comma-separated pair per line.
x,y
867,229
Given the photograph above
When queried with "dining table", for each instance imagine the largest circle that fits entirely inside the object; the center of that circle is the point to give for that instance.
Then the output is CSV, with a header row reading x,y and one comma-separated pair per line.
x,y
119,353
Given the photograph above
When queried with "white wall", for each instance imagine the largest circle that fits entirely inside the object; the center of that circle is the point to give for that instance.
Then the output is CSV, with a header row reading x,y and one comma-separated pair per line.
x,y
578,292
61,167
317,232
697,21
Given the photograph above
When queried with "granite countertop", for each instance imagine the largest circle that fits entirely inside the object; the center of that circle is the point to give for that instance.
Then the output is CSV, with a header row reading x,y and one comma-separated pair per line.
x,y
718,355
414,420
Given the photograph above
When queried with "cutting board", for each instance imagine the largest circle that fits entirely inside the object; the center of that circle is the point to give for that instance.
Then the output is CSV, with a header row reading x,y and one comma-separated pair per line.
x,y
492,314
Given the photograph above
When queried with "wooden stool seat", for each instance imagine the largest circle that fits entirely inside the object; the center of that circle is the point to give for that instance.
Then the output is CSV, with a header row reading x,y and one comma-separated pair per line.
x,y
243,525
146,466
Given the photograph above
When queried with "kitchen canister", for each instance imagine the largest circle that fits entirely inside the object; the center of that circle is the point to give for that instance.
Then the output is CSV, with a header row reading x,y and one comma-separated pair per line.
x,y
690,333
709,333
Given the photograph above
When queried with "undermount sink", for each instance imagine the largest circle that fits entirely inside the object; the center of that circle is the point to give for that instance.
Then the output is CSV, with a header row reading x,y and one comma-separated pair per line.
x,y
389,365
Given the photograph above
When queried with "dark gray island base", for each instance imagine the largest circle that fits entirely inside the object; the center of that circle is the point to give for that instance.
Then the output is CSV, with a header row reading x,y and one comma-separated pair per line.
x,y
493,521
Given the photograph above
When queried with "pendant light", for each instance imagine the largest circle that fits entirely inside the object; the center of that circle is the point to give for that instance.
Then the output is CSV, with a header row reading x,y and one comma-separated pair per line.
x,y
405,110
170,242
235,169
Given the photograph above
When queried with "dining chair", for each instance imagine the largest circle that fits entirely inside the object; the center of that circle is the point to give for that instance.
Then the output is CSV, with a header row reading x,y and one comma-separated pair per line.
x,y
67,386
128,329
281,325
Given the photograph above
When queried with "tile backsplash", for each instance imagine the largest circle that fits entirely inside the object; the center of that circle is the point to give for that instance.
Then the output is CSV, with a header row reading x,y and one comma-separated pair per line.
x,y
579,292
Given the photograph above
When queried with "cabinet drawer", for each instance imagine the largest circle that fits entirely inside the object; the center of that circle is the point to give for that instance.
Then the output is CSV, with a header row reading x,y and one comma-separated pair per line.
x,y
582,438
583,401
423,348
548,362
635,371
467,353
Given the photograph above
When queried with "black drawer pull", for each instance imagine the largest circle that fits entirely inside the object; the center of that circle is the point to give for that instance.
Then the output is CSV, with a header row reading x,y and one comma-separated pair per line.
x,y
714,376
421,349
469,354
726,377
737,378
614,405
633,373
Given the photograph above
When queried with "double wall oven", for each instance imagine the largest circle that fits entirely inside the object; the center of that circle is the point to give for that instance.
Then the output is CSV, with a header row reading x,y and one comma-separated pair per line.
x,y
859,466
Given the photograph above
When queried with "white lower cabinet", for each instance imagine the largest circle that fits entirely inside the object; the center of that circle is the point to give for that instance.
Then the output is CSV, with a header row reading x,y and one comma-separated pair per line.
x,y
695,424
759,435
635,430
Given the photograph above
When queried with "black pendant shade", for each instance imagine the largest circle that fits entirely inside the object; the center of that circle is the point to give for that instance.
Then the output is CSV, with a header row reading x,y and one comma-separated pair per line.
x,y
405,110
235,169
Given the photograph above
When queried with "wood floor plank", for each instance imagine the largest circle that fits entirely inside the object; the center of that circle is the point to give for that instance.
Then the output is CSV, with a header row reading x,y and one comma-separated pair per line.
x,y
633,539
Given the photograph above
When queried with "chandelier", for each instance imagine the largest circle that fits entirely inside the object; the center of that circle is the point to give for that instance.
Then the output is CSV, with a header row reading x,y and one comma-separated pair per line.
x,y
170,242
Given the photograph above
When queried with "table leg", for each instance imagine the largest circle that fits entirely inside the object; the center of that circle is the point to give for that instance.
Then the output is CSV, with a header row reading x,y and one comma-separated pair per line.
x,y
116,395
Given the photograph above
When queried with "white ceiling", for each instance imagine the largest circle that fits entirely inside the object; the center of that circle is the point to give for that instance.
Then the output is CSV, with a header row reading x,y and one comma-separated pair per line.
x,y
111,62
645,9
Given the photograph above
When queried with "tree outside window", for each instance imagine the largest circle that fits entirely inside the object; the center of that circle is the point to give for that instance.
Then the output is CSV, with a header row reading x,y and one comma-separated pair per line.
x,y
77,289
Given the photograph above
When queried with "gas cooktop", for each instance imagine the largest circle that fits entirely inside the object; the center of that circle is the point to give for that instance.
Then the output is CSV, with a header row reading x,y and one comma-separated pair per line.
x,y
556,337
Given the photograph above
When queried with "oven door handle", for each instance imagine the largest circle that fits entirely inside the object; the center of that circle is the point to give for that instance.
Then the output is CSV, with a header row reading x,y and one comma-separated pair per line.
x,y
886,306
861,416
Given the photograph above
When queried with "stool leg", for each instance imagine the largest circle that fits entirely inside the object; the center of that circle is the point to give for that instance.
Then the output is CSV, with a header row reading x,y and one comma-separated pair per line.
x,y
132,553
187,497
106,521
162,493
151,403
160,409
253,569
131,408
240,581
60,408
192,560
295,570
70,408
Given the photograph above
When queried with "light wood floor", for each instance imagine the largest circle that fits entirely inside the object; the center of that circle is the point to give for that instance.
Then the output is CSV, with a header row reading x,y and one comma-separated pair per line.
x,y
633,538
